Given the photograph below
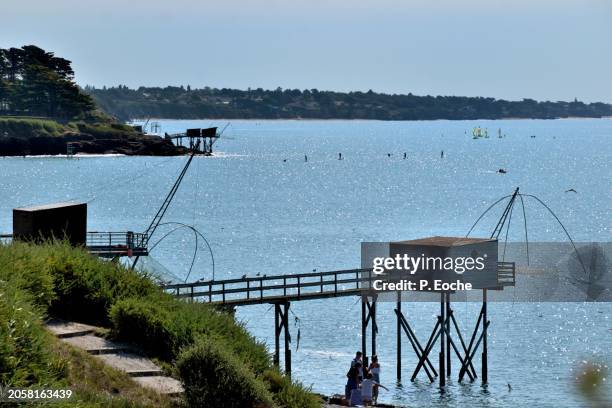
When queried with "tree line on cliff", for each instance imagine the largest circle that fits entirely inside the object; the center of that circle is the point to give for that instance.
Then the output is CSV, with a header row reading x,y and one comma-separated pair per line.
x,y
34,82
187,103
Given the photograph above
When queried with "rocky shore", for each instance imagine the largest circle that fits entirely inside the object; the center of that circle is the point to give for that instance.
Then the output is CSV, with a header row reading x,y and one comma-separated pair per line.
x,y
31,138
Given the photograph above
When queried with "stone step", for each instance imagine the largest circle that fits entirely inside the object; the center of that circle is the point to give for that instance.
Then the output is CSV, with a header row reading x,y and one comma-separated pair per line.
x,y
96,345
162,384
64,329
133,364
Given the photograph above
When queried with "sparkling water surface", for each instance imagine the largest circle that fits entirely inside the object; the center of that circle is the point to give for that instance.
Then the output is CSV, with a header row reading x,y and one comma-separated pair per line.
x,y
264,209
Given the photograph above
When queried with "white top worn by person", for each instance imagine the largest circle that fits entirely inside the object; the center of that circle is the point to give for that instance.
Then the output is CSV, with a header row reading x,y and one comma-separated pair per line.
x,y
366,388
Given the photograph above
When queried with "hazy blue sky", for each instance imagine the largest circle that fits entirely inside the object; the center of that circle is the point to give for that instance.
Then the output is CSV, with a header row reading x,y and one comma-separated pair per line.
x,y
543,49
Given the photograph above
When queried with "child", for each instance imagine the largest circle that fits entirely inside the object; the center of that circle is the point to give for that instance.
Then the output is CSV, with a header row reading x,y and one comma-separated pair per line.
x,y
366,389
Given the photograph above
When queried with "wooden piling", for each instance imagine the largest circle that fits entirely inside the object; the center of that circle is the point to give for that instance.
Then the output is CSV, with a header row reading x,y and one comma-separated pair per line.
x,y
373,323
399,337
364,325
287,340
442,368
448,339
485,324
277,313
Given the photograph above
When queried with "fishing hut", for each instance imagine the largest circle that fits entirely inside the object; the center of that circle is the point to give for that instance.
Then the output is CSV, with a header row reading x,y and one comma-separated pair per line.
x,y
430,280
200,140
57,220
68,221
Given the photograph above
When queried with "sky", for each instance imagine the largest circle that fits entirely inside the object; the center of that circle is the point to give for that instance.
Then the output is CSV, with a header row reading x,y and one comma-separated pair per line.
x,y
540,49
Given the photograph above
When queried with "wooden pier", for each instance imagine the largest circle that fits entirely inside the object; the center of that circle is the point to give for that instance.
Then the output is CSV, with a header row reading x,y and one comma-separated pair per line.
x,y
281,290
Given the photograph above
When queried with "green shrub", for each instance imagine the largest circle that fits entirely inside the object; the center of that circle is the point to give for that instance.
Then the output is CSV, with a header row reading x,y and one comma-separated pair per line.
x,y
86,287
162,326
289,394
214,377
146,323
106,131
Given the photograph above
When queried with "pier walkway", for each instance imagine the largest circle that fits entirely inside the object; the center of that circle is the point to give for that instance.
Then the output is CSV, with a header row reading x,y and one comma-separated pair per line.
x,y
286,288
274,289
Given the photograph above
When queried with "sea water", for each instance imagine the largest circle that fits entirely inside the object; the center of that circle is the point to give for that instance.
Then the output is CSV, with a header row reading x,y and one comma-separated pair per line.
x,y
275,199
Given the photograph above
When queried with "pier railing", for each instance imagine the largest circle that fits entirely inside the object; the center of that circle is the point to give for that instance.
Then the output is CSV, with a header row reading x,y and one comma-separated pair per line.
x,y
109,244
303,286
506,273
272,289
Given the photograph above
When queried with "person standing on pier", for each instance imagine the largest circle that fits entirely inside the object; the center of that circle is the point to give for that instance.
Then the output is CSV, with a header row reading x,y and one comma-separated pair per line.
x,y
374,369
352,382
358,360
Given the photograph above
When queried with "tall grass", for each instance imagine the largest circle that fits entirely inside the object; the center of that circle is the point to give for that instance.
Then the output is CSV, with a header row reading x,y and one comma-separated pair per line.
x,y
25,355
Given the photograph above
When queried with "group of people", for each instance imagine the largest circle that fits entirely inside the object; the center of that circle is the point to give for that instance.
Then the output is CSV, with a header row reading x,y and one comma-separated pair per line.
x,y
363,381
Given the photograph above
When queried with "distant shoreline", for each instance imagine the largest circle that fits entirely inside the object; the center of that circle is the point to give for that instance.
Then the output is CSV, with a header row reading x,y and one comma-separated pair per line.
x,y
188,103
135,120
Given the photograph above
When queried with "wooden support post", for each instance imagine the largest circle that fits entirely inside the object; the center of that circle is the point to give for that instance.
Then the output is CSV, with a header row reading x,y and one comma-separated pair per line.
x,y
281,323
287,340
364,325
442,355
468,360
485,324
458,353
373,323
277,331
465,350
399,337
421,353
448,338
470,345
424,358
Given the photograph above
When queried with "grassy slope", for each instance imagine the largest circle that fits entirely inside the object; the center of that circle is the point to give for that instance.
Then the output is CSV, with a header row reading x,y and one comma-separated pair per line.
x,y
69,283
26,127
